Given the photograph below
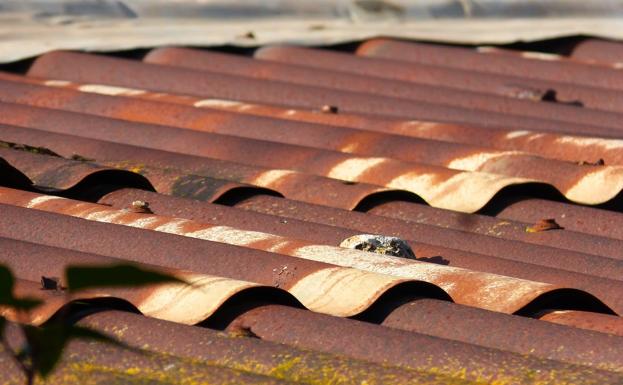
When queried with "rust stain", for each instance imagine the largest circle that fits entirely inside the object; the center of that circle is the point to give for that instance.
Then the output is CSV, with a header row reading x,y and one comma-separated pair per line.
x,y
544,225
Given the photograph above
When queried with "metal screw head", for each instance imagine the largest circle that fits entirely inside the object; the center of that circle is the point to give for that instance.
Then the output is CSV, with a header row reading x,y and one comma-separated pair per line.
x,y
141,207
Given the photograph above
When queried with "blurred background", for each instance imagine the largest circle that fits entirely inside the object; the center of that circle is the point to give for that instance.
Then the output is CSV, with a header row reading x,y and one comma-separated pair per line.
x,y
31,27
353,10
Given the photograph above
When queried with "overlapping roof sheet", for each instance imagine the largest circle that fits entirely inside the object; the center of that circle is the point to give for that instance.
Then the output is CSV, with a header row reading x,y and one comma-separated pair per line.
x,y
246,174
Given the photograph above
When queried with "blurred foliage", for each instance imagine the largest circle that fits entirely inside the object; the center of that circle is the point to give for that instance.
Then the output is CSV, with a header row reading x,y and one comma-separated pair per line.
x,y
88,277
44,345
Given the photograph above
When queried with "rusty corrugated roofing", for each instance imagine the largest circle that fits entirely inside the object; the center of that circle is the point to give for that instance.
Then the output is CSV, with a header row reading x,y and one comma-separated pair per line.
x,y
477,174
600,52
260,69
507,84
423,234
483,290
255,170
572,148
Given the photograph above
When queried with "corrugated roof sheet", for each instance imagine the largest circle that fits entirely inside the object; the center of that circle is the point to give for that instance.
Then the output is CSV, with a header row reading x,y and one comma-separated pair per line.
x,y
255,170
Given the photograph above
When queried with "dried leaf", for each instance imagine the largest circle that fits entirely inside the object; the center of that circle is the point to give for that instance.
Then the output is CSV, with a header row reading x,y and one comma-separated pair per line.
x,y
51,283
598,162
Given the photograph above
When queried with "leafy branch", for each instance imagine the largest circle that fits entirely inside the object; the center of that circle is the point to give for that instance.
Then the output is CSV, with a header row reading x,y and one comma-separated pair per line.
x,y
43,346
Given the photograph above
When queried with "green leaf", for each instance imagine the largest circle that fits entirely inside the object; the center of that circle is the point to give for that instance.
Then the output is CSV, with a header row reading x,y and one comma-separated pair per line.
x,y
2,325
47,343
86,277
6,285
44,347
24,303
7,282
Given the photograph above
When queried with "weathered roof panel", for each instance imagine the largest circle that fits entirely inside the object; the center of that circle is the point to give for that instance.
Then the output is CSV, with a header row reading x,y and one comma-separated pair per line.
x,y
275,181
